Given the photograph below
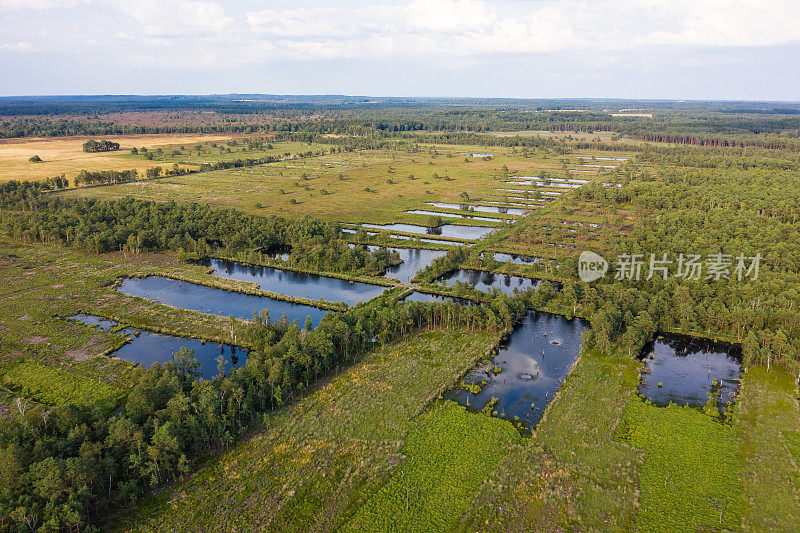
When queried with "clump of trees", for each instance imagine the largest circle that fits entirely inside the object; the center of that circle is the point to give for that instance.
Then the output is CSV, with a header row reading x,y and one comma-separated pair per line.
x,y
35,159
100,146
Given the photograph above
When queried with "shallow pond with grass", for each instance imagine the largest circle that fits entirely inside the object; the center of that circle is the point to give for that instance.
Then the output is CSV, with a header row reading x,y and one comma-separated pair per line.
x,y
146,347
523,378
687,370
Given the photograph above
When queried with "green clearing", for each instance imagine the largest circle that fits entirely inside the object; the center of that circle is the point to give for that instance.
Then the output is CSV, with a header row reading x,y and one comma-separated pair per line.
x,y
768,425
319,460
51,386
449,453
689,480
375,186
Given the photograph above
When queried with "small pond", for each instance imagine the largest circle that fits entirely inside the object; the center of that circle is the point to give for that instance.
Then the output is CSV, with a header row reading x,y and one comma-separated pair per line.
x,y
414,260
417,296
216,301
296,284
453,215
687,367
445,230
528,371
483,281
480,208
516,259
146,347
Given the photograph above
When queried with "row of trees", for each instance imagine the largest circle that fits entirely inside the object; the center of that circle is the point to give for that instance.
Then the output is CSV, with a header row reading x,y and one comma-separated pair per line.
x,y
135,226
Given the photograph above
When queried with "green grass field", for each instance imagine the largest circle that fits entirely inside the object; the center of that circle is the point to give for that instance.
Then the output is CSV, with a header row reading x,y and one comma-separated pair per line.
x,y
365,186
51,386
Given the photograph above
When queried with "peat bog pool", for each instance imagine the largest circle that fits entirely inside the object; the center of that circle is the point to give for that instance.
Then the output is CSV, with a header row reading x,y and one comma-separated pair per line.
x,y
484,281
417,296
148,347
295,284
215,301
533,363
687,369
481,208
516,259
453,215
445,230
414,260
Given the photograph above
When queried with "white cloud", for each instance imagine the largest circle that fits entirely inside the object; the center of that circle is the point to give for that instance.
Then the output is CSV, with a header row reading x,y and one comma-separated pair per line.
x,y
177,16
462,28
21,46
36,5
445,32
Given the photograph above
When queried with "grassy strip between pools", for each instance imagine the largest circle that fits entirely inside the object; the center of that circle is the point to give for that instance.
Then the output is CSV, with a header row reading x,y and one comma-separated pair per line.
x,y
690,477
52,386
448,455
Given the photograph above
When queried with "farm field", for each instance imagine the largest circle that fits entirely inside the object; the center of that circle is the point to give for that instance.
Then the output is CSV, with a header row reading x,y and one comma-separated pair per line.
x,y
66,155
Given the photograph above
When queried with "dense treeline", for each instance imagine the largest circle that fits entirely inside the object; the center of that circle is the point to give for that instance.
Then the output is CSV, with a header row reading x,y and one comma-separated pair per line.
x,y
134,226
71,466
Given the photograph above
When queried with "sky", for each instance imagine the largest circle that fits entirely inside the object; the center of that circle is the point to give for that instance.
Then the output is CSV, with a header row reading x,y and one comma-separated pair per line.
x,y
676,49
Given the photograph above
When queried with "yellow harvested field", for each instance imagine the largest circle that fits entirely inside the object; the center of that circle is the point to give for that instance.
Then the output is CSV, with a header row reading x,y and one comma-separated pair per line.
x,y
65,155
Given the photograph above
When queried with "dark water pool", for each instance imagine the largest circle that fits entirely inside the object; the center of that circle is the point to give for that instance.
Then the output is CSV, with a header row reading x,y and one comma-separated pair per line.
x,y
445,230
414,260
295,283
215,301
516,259
686,367
533,362
481,208
147,347
453,215
417,296
483,281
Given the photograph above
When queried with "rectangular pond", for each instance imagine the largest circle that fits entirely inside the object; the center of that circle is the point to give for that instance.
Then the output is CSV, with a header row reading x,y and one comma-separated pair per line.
x,y
146,347
445,230
480,208
453,215
484,281
516,259
414,260
215,301
546,184
296,284
685,370
417,296
527,371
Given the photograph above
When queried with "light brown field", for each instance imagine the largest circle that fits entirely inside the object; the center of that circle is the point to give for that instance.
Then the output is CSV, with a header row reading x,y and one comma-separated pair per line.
x,y
65,155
